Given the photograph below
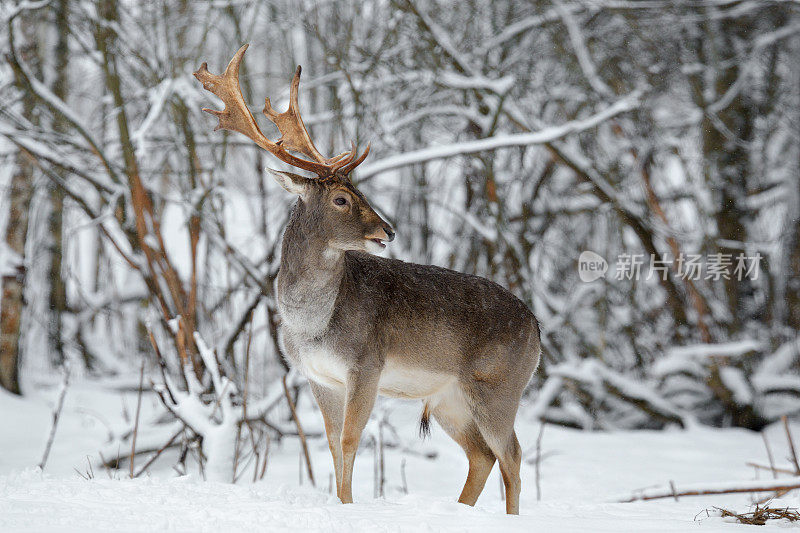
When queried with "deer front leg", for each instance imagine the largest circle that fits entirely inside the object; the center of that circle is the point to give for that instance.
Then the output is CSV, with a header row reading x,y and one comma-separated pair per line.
x,y
361,390
331,404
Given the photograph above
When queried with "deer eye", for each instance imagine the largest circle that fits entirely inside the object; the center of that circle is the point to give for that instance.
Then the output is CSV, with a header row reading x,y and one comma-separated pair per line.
x,y
340,201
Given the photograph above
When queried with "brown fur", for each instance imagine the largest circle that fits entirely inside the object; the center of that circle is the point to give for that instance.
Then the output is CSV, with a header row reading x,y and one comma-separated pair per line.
x,y
358,325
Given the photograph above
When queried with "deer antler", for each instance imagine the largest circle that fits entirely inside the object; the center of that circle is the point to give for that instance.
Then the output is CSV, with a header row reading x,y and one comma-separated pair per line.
x,y
294,135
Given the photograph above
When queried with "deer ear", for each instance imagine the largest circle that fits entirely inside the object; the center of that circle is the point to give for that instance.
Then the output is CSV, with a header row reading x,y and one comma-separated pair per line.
x,y
291,182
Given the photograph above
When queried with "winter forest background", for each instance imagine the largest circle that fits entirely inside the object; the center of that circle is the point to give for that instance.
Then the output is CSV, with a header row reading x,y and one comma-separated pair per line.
x,y
507,138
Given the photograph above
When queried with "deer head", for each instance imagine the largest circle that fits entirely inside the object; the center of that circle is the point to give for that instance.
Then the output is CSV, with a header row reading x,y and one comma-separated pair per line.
x,y
338,212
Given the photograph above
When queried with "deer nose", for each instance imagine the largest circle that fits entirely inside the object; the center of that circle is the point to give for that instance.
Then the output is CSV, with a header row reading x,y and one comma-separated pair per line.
x,y
389,233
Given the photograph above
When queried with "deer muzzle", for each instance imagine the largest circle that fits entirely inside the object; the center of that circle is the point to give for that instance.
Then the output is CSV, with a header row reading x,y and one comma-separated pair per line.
x,y
381,236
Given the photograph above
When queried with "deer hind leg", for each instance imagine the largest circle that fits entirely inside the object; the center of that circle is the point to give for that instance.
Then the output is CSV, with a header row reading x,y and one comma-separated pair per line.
x,y
360,396
331,404
510,457
453,414
494,411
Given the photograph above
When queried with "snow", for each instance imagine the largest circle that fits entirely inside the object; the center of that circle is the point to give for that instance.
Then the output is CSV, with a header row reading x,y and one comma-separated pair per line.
x,y
723,349
781,360
583,474
10,12
675,364
55,102
548,134
582,53
549,392
736,382
10,261
520,26
595,373
764,383
457,81
158,97
219,437
760,43
29,502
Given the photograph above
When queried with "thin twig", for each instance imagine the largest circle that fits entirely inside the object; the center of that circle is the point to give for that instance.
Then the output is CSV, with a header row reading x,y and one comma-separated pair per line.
x,y
770,497
244,404
300,432
403,475
381,462
105,465
198,450
791,445
158,453
769,455
374,467
774,469
266,456
537,464
136,420
56,416
255,465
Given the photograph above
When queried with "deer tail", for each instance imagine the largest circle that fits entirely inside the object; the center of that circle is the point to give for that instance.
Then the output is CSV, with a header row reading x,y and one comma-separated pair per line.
x,y
425,421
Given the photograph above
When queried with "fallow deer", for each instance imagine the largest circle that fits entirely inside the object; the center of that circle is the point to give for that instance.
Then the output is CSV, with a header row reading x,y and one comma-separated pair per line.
x,y
358,325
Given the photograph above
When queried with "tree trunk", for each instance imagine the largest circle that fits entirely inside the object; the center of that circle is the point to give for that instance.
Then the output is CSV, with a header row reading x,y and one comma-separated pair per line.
x,y
13,282
727,130
12,302
793,274
58,291
792,238
727,161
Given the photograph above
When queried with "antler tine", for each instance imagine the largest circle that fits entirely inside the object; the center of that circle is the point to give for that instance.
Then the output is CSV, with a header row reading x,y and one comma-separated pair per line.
x,y
339,157
346,158
237,117
294,135
349,168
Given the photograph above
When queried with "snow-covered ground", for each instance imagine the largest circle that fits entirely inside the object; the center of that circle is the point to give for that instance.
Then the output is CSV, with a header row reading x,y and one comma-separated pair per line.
x,y
582,474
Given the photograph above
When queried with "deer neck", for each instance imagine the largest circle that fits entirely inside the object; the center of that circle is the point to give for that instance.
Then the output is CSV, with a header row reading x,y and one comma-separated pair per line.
x,y
310,274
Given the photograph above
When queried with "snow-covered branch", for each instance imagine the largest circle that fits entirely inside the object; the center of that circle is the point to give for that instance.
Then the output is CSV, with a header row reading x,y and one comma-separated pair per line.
x,y
500,141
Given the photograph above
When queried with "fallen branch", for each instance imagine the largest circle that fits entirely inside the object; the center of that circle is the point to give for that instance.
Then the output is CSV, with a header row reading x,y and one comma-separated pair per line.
x,y
704,489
